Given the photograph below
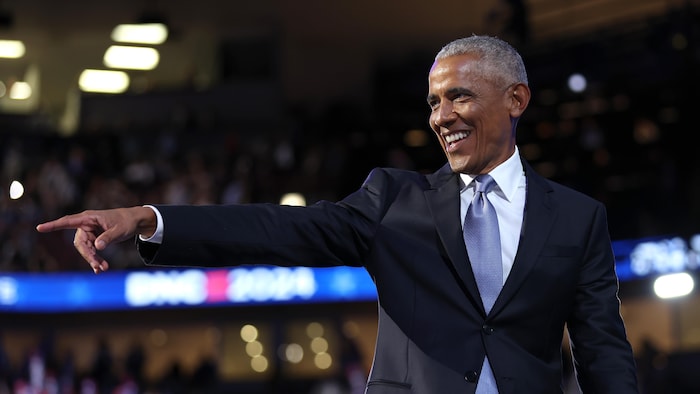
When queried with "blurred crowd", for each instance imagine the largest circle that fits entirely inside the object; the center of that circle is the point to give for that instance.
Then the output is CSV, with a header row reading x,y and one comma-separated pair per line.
x,y
63,175
43,371
46,369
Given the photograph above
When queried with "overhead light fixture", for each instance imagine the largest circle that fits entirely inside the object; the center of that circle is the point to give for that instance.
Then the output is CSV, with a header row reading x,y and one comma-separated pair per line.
x,y
132,58
103,81
143,33
11,49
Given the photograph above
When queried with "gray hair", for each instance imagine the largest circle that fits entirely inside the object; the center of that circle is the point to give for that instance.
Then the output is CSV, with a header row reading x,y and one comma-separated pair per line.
x,y
500,59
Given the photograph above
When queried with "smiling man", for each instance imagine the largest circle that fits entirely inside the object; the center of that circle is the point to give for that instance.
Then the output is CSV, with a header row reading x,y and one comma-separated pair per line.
x,y
478,266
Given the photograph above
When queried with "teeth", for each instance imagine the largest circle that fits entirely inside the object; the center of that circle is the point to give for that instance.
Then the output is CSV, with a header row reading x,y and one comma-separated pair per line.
x,y
456,137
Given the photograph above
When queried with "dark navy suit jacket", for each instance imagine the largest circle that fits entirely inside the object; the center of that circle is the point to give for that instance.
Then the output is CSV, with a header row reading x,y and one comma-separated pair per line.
x,y
404,228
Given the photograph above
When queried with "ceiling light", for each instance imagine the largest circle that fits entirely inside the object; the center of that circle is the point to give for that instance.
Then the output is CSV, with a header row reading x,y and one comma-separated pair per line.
x,y
133,58
145,33
11,49
103,81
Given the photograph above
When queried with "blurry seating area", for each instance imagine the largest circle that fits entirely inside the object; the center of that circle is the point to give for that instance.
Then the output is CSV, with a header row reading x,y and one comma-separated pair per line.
x,y
67,175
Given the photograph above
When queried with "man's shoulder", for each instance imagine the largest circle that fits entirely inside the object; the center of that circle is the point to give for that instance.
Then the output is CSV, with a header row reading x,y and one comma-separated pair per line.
x,y
403,177
570,192
561,191
399,173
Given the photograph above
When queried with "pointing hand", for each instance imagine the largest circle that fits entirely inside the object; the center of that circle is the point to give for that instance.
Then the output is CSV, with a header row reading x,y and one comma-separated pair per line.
x,y
97,229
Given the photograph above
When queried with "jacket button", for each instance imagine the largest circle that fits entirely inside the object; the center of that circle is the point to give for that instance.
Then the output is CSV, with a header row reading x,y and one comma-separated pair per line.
x,y
471,376
488,330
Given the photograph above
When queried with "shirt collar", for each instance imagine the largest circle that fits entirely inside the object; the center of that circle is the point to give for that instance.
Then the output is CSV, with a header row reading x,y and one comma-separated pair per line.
x,y
507,176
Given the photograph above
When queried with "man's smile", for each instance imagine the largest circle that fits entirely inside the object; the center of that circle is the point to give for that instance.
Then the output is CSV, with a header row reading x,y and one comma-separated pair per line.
x,y
452,140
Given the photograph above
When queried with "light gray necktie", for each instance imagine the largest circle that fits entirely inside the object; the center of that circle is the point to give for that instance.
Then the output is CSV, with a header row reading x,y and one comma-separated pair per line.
x,y
483,242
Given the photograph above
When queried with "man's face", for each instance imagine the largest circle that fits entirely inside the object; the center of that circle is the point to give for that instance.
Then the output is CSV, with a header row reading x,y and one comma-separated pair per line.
x,y
473,117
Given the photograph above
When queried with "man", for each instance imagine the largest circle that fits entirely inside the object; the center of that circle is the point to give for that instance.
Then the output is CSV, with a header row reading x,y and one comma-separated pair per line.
x,y
443,326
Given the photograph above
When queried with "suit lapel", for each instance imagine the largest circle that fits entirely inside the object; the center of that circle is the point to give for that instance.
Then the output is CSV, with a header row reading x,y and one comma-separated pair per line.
x,y
444,204
539,217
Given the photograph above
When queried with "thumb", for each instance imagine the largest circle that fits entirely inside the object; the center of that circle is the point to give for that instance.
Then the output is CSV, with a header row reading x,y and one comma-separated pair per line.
x,y
105,239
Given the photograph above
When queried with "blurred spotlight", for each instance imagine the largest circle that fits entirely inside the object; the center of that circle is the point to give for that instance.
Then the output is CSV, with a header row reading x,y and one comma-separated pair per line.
x,y
319,345
11,49
143,33
20,91
16,190
249,333
673,285
577,83
293,353
323,360
254,348
415,138
293,199
131,58
314,330
259,363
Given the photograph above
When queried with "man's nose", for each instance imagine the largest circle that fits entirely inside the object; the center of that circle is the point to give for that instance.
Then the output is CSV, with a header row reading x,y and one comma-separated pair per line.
x,y
445,115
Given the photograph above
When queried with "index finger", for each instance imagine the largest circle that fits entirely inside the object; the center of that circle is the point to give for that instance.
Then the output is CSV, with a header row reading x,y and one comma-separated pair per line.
x,y
64,223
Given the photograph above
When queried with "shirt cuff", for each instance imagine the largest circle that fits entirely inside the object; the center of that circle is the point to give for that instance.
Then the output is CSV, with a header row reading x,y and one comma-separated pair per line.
x,y
157,237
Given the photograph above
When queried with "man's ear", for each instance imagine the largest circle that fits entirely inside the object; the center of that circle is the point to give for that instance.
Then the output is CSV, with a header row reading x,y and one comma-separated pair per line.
x,y
519,99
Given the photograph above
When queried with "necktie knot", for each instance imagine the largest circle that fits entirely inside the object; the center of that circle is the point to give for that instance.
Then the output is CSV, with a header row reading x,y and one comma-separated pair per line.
x,y
484,183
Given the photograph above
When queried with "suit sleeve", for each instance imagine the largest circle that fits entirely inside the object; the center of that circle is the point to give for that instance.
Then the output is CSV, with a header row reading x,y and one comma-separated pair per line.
x,y
324,234
602,354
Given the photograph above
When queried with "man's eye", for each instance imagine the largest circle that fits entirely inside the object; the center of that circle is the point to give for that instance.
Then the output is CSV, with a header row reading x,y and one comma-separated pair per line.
x,y
433,104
